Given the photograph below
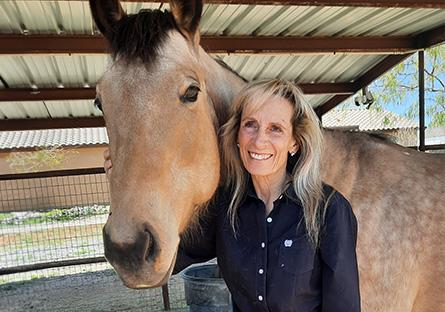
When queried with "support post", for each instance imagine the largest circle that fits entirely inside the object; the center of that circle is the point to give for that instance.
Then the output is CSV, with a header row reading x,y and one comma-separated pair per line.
x,y
166,297
421,101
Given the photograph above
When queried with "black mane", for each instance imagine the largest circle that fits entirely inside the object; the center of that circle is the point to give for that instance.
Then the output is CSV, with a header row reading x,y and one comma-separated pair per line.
x,y
138,36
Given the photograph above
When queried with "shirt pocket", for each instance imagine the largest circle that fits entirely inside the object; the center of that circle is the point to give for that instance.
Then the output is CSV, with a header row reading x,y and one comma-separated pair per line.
x,y
296,255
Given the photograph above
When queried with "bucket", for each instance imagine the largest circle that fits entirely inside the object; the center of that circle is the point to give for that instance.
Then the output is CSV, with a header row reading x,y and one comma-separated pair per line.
x,y
205,290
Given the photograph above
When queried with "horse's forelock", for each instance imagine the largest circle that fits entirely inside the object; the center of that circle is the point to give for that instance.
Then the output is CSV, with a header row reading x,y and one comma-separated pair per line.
x,y
138,36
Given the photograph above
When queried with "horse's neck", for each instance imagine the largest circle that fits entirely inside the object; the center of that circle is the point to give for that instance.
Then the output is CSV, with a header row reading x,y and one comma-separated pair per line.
x,y
222,86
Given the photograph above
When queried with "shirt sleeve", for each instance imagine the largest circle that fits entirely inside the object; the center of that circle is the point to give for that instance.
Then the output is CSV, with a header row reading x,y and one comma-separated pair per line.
x,y
199,244
340,279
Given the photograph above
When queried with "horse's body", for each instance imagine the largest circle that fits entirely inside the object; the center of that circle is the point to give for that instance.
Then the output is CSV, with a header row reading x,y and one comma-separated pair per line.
x,y
165,164
398,196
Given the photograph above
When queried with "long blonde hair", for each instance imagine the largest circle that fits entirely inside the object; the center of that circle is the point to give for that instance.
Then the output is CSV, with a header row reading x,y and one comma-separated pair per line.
x,y
306,178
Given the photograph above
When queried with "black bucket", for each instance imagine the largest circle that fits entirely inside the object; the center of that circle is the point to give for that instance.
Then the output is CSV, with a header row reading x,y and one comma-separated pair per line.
x,y
205,290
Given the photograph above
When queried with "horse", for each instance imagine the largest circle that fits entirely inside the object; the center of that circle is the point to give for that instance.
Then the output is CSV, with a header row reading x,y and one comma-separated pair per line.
x,y
164,99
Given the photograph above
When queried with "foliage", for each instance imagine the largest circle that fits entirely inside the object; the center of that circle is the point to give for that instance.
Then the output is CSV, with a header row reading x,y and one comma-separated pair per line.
x,y
399,87
43,159
53,215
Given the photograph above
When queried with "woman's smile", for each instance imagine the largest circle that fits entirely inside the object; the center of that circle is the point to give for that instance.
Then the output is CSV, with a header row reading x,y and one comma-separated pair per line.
x,y
260,156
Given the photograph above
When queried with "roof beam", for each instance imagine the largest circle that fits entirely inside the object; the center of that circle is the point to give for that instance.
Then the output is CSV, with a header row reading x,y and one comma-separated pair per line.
x,y
50,123
84,44
56,94
354,3
431,38
366,79
48,94
302,45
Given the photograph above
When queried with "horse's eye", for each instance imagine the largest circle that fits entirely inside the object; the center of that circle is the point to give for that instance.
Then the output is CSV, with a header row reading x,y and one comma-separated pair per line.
x,y
190,95
98,104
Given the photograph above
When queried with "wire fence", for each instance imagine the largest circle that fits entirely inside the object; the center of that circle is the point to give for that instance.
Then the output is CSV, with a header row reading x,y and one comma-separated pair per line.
x,y
51,249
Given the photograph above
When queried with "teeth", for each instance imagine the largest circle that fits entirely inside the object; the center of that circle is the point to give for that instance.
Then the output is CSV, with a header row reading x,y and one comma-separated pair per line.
x,y
260,156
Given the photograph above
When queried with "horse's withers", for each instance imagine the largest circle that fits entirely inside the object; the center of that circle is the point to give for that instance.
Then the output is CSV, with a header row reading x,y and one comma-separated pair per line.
x,y
162,136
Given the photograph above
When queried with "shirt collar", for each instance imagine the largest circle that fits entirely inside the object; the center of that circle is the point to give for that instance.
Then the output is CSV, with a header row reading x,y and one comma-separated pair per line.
x,y
288,192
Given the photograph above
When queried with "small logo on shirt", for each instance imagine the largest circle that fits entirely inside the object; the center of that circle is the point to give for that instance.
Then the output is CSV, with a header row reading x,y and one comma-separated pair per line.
x,y
288,243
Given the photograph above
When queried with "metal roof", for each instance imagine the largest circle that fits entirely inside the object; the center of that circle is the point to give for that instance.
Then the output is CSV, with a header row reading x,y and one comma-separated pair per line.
x,y
64,70
10,140
366,120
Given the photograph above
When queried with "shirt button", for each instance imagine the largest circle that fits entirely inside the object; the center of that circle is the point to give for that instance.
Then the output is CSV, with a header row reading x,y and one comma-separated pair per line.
x,y
261,271
263,245
260,298
269,220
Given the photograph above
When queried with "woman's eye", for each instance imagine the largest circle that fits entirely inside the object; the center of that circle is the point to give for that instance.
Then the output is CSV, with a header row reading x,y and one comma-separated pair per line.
x,y
191,94
276,129
98,104
249,124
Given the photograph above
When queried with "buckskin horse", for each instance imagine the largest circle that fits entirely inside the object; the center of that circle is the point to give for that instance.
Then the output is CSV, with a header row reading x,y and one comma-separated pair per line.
x,y
164,98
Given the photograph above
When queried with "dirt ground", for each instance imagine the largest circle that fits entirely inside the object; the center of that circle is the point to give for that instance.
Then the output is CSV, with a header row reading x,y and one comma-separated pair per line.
x,y
85,292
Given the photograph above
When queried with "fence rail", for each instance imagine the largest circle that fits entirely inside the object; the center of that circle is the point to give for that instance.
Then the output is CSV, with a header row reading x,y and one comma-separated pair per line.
x,y
51,228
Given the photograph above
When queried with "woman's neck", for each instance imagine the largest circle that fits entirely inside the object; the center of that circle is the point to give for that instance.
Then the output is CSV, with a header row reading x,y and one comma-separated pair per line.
x,y
269,188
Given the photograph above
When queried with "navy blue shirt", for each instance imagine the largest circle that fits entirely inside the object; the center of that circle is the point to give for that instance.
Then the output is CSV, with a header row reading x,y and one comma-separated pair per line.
x,y
271,265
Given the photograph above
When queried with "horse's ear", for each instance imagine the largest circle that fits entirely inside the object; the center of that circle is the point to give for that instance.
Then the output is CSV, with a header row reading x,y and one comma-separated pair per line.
x,y
187,14
106,14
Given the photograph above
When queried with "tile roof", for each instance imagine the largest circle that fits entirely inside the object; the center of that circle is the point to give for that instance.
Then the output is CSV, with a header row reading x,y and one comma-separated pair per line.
x,y
366,120
53,137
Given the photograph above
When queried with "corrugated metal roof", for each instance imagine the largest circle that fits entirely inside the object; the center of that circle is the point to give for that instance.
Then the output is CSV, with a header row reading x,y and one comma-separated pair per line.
x,y
366,120
54,137
273,20
74,17
52,71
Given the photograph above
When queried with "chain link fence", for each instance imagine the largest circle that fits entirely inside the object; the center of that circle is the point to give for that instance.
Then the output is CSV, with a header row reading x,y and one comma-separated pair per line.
x,y
51,249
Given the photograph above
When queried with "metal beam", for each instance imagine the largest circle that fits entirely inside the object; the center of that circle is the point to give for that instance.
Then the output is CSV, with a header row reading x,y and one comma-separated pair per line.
x,y
50,123
354,3
59,94
85,44
330,104
431,38
19,94
421,70
366,79
327,88
302,45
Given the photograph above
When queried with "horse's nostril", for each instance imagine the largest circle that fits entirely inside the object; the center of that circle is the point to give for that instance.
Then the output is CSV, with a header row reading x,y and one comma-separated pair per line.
x,y
150,246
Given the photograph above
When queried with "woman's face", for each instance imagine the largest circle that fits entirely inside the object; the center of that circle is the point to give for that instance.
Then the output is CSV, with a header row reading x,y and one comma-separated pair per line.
x,y
265,137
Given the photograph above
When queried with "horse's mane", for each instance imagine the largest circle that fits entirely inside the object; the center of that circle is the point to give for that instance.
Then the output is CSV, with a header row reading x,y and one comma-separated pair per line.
x,y
225,66
138,36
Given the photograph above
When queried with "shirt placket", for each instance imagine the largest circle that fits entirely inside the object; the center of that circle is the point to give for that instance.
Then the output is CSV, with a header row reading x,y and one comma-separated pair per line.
x,y
261,268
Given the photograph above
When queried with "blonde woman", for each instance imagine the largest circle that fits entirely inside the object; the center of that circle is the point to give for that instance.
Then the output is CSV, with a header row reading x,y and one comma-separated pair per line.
x,y
283,240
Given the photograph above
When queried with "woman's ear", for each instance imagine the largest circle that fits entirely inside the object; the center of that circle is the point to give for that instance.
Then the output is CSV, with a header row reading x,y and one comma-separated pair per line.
x,y
294,148
187,15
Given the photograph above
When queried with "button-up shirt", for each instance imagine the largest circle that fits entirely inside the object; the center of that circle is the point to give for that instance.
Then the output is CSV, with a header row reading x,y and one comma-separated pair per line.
x,y
270,264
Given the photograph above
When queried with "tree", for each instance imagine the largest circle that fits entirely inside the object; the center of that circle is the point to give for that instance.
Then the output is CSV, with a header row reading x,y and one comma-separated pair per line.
x,y
399,87
47,158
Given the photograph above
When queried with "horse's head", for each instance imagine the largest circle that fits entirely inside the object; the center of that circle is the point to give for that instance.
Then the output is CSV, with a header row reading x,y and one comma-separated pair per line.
x,y
162,137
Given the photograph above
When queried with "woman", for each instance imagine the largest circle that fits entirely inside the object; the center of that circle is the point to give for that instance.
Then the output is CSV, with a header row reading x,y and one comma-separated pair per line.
x,y
283,240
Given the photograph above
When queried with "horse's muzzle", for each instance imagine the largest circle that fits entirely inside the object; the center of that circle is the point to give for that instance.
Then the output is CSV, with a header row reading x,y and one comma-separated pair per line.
x,y
131,258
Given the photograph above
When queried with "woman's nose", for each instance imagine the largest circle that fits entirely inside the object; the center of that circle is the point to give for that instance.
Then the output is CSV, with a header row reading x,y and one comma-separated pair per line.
x,y
261,138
